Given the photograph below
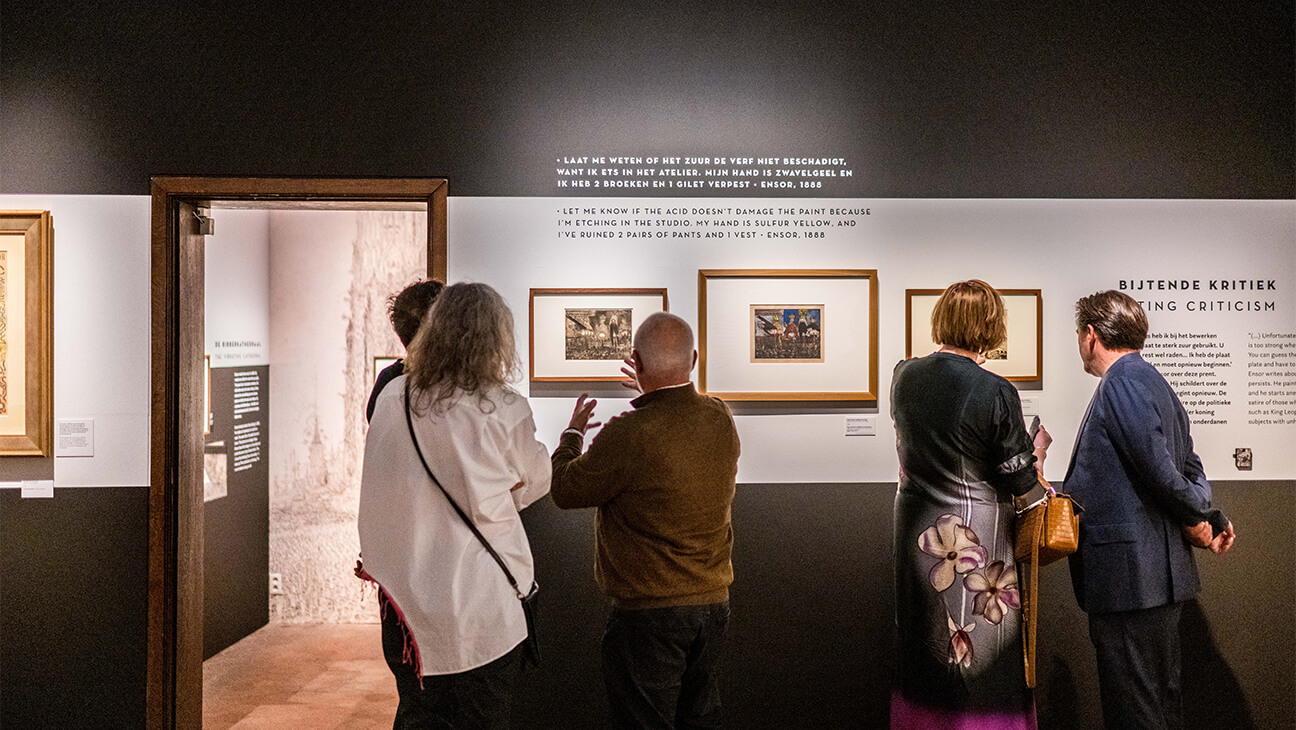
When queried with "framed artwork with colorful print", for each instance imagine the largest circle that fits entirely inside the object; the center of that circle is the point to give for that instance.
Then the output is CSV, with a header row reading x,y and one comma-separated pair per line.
x,y
788,334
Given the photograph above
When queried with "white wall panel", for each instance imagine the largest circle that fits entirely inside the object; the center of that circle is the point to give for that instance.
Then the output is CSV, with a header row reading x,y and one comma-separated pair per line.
x,y
236,296
1067,248
101,330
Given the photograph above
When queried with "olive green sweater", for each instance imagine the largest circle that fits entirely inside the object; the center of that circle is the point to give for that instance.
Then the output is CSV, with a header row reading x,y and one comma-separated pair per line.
x,y
662,478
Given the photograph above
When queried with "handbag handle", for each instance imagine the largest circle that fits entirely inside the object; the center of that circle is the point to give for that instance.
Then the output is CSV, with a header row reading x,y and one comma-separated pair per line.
x,y
409,421
1030,615
1049,492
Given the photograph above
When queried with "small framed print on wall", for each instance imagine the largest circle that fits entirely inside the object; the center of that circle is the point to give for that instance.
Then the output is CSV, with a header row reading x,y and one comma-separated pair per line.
x,y
582,335
1021,357
26,342
788,334
381,363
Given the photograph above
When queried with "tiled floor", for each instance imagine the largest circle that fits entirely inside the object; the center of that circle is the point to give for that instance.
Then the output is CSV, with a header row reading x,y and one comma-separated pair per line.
x,y
300,676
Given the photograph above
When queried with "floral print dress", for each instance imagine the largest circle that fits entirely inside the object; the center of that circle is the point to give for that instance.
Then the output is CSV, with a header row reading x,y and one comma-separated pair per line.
x,y
964,453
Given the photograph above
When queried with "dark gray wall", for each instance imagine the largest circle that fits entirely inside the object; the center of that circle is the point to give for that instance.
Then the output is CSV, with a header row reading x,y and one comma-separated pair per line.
x,y
812,634
236,528
73,608
812,642
1156,99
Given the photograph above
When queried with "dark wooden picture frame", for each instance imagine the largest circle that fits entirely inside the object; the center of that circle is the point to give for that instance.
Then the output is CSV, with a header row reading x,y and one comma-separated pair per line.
x,y
592,296
843,331
34,432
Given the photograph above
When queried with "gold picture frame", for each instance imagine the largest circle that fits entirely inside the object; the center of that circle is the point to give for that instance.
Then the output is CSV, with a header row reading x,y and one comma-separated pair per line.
x,y
26,333
1024,356
842,363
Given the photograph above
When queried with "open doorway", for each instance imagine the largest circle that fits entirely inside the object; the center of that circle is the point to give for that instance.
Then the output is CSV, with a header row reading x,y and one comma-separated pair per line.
x,y
181,207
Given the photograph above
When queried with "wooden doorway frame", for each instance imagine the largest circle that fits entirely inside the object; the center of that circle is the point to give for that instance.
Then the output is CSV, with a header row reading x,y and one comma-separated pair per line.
x,y
175,603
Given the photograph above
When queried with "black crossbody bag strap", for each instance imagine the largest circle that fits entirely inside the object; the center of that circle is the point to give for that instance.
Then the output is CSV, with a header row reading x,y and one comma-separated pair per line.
x,y
409,421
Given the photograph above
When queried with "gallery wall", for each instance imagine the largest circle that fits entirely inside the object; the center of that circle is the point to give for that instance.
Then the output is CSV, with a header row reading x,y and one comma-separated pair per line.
x,y
101,280
1065,248
1015,100
811,641
813,611
1006,99
786,571
74,569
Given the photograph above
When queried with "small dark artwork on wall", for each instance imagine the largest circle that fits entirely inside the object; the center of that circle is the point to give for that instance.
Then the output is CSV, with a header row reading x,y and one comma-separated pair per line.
x,y
215,471
787,333
597,334
1242,459
998,353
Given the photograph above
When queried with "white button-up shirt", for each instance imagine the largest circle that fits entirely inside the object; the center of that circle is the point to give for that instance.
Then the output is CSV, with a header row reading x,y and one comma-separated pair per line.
x,y
455,599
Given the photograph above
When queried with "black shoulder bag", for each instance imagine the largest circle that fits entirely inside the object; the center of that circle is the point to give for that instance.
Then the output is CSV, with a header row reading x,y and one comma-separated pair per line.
x,y
530,647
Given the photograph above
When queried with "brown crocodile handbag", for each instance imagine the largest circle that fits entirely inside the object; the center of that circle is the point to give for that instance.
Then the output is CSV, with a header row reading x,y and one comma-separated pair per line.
x,y
1046,531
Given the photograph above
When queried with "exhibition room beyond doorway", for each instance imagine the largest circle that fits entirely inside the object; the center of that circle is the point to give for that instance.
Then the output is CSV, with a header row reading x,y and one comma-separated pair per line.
x,y
180,218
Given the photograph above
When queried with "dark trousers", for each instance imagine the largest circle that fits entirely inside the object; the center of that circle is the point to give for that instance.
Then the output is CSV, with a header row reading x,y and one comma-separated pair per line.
x,y
659,665
478,698
1139,667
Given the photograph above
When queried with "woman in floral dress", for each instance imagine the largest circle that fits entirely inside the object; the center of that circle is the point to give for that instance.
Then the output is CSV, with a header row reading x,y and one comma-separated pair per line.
x,y
964,454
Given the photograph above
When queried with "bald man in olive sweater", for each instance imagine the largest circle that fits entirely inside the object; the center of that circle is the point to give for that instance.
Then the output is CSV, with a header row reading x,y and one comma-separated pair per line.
x,y
662,478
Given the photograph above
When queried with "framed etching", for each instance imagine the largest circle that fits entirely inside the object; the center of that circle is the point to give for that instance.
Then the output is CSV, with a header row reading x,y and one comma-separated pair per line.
x,y
1021,357
788,334
26,342
381,363
582,335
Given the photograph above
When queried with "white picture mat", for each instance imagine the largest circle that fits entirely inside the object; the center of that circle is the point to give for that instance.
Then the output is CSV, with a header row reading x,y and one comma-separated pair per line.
x,y
550,334
846,316
13,422
380,364
1023,330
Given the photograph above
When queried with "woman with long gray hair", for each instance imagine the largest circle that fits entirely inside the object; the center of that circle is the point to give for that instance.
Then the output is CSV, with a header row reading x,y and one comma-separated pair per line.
x,y
452,416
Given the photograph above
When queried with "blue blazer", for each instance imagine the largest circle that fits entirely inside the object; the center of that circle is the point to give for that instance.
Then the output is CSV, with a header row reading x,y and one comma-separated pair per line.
x,y
1135,473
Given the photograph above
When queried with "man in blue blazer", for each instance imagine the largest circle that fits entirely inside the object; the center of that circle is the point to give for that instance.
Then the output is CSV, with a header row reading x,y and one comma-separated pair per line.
x,y
1146,501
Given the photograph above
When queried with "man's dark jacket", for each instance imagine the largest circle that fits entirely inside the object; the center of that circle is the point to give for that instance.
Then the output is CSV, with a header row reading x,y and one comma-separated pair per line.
x,y
1136,476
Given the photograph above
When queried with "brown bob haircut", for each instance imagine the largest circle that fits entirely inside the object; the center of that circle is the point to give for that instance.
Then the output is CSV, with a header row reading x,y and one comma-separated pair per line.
x,y
970,315
1116,317
407,308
